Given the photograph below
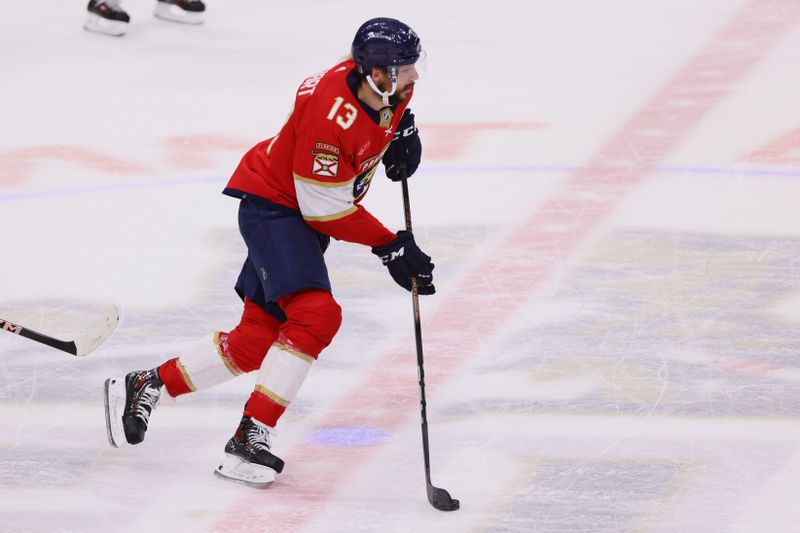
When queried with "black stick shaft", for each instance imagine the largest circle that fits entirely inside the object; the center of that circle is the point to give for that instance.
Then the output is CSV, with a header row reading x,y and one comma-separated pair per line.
x,y
418,336
439,498
66,346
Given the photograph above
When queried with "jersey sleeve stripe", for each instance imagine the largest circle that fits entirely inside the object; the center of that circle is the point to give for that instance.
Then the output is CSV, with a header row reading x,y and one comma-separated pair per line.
x,y
324,201
334,216
319,183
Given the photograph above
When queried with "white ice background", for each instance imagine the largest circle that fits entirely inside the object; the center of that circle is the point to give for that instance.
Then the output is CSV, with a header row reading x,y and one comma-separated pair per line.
x,y
611,194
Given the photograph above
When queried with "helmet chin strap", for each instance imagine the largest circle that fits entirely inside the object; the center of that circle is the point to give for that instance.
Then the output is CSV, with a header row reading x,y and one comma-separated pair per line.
x,y
385,94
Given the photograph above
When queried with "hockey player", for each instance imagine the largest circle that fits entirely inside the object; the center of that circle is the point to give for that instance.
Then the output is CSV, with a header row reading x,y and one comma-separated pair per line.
x,y
107,16
297,190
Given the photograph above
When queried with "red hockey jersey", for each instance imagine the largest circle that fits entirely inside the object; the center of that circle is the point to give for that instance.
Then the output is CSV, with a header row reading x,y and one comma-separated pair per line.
x,y
323,160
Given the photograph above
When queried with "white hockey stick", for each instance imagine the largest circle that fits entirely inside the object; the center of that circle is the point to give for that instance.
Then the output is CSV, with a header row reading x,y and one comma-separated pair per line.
x,y
81,346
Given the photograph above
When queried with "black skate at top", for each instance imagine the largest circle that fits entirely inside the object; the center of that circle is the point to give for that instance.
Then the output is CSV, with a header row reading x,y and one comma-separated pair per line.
x,y
143,390
193,6
108,9
251,443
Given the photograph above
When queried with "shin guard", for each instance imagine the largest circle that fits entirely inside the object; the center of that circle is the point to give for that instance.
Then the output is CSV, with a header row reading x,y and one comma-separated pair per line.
x,y
202,364
312,319
282,373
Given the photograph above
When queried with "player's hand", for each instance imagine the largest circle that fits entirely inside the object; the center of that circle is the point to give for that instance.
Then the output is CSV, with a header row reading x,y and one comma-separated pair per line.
x,y
405,260
405,148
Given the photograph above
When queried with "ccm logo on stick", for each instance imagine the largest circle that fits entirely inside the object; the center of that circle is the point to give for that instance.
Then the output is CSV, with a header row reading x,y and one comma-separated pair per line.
x,y
8,326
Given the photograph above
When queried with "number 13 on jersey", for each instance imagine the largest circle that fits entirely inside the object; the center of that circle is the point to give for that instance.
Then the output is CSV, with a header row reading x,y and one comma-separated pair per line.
x,y
347,117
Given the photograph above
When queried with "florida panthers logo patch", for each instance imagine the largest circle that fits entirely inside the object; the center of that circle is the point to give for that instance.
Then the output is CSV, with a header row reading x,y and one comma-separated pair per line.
x,y
325,164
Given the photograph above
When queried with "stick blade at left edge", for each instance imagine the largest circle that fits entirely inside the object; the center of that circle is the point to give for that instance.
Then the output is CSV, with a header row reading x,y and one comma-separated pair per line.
x,y
98,333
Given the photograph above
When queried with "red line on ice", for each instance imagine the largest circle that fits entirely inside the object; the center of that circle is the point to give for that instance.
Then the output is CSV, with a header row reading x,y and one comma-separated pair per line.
x,y
16,165
492,291
450,141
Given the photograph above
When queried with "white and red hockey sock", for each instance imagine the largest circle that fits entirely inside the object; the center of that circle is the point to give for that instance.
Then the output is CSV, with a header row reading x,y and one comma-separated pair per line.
x,y
218,358
312,319
204,363
282,373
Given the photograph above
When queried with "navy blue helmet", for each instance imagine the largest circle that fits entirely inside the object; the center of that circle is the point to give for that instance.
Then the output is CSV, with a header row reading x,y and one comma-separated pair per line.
x,y
385,42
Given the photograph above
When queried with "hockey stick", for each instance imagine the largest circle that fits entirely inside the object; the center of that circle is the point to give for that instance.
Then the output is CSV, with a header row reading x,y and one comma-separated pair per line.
x,y
439,498
79,347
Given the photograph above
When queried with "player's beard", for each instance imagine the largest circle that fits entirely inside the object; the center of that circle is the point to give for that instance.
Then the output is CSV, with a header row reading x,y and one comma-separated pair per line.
x,y
401,95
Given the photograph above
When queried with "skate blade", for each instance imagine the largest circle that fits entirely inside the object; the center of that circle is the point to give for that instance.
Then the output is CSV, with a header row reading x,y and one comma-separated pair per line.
x,y
96,23
173,13
114,401
233,468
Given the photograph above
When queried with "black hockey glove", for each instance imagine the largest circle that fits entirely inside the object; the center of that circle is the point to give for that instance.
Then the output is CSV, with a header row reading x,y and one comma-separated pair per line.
x,y
405,260
405,148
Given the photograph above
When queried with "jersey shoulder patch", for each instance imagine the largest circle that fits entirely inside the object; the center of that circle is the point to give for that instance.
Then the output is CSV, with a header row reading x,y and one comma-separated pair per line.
x,y
325,160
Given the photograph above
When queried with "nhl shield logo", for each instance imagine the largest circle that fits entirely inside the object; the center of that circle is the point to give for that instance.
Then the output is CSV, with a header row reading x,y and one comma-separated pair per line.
x,y
386,116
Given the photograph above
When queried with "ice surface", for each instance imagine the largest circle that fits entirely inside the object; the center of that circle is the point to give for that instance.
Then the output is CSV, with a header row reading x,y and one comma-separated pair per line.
x,y
610,195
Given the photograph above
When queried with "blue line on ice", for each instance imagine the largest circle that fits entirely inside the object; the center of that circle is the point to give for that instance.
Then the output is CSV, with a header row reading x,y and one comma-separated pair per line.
x,y
507,169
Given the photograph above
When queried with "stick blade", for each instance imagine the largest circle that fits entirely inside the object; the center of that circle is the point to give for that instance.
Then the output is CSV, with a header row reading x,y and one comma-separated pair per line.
x,y
99,332
440,499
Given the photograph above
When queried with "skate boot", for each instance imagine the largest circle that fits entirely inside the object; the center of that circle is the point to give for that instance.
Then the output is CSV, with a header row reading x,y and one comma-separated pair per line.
x,y
106,16
247,456
129,403
183,11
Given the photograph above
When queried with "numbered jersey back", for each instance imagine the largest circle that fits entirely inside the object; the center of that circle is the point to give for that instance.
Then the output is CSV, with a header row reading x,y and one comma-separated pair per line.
x,y
337,139
323,160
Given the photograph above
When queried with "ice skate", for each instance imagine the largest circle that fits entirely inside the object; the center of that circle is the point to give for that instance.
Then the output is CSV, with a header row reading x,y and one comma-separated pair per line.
x,y
106,16
183,11
129,402
248,458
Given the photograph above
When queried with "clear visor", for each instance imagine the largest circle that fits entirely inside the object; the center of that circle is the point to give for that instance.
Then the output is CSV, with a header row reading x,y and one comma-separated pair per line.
x,y
415,71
